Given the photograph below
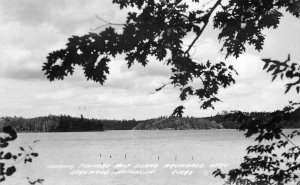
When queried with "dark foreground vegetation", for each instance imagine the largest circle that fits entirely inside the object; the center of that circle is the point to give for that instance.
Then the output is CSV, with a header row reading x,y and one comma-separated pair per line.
x,y
64,123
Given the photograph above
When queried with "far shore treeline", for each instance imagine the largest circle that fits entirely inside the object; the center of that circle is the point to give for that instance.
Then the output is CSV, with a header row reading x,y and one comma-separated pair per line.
x,y
65,123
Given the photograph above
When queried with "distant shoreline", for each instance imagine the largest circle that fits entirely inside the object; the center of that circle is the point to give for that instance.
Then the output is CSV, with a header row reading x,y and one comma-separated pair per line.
x,y
64,123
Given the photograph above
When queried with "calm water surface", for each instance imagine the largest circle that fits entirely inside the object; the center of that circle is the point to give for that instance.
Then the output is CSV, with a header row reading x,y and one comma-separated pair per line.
x,y
204,148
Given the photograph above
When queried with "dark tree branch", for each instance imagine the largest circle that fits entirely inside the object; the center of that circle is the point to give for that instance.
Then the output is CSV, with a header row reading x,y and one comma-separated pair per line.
x,y
161,87
290,140
204,26
107,23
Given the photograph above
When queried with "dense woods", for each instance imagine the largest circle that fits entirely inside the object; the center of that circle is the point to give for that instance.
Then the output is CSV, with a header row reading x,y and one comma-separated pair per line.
x,y
52,124
177,123
72,124
119,124
228,123
64,123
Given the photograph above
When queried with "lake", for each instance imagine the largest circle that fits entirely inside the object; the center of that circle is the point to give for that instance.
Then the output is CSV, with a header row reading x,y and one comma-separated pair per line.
x,y
135,157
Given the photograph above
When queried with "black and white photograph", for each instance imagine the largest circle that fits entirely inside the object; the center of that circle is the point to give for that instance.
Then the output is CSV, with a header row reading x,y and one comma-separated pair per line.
x,y
150,92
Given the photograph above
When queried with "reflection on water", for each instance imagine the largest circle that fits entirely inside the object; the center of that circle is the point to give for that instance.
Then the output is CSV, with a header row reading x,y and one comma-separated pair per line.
x,y
210,148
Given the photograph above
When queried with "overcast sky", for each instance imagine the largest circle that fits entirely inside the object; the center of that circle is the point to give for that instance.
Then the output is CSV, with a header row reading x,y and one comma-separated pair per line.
x,y
30,29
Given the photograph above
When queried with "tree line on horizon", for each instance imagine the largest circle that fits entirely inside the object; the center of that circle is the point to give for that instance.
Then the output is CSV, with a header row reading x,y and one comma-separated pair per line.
x,y
51,123
66,123
177,123
229,123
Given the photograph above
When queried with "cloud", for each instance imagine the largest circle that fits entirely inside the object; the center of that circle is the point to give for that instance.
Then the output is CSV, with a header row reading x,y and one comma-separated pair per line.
x,y
283,40
68,16
30,12
153,68
19,64
31,29
254,89
24,50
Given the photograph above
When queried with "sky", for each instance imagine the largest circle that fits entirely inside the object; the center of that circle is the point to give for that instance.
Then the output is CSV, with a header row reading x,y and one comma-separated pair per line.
x,y
30,29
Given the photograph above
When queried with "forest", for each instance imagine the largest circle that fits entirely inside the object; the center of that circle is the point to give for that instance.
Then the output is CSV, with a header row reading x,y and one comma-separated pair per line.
x,y
177,123
51,123
228,123
65,123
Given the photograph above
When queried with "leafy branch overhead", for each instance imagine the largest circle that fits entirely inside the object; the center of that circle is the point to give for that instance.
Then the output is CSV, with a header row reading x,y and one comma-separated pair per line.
x,y
284,69
158,29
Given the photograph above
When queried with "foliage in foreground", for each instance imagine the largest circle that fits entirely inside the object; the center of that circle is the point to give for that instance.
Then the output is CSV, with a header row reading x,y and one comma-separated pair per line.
x,y
274,159
270,162
158,29
8,160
